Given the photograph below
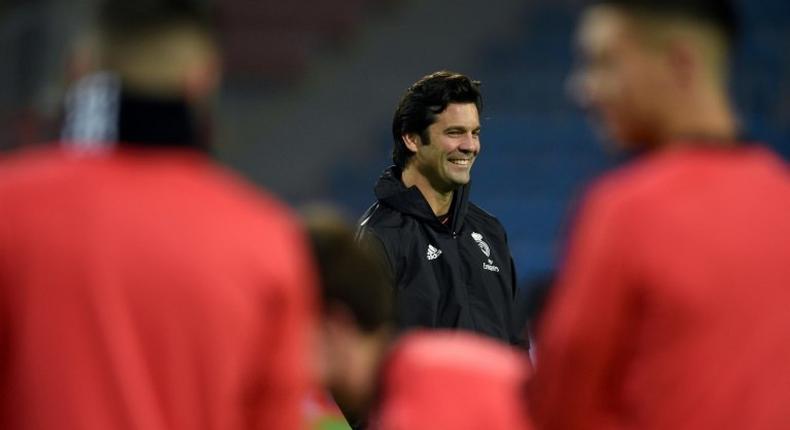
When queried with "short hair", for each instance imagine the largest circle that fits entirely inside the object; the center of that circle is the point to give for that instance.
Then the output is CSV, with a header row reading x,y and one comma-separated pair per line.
x,y
122,20
423,101
721,14
350,276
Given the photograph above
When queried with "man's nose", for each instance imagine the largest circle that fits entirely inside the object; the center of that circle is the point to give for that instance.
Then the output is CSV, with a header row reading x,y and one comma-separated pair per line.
x,y
470,143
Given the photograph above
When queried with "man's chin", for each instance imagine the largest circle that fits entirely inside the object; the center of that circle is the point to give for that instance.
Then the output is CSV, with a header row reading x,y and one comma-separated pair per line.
x,y
618,140
459,182
448,183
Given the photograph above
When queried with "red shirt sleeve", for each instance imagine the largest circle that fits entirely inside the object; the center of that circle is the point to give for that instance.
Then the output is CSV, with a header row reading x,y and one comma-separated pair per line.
x,y
589,313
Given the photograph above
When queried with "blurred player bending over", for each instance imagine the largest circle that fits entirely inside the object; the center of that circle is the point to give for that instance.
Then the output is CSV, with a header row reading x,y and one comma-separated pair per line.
x,y
438,380
142,287
672,307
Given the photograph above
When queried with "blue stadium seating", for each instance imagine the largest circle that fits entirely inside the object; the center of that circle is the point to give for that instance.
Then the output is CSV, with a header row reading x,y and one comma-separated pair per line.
x,y
538,151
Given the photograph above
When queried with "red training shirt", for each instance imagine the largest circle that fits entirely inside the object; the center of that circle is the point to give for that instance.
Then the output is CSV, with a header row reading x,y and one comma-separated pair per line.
x,y
673,308
147,289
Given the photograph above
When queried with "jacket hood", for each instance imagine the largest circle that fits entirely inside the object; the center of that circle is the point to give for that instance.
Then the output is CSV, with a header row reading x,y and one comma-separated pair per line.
x,y
391,192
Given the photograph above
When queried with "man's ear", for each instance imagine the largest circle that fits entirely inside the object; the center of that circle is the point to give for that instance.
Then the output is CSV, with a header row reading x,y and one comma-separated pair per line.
x,y
684,62
202,78
412,141
339,320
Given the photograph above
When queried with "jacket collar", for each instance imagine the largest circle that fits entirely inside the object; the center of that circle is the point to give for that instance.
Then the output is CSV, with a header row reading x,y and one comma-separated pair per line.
x,y
391,191
100,112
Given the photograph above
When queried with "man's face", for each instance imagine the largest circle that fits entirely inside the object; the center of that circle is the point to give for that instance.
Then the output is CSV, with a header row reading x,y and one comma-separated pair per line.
x,y
620,78
453,143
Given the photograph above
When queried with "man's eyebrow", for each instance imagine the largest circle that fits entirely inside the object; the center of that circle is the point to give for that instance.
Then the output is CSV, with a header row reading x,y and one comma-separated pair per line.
x,y
460,128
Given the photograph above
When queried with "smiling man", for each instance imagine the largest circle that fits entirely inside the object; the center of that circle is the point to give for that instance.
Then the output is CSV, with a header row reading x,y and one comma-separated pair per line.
x,y
449,259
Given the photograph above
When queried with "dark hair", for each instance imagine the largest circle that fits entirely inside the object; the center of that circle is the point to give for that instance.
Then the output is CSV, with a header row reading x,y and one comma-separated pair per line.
x,y
350,276
423,101
128,19
721,14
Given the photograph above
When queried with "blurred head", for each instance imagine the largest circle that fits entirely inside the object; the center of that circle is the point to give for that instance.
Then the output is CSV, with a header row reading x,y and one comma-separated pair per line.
x,y
357,313
159,47
645,65
436,129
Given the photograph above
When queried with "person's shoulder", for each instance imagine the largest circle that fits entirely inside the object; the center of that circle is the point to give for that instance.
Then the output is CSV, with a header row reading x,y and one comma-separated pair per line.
x,y
654,178
196,180
242,196
200,183
477,213
478,217
457,352
381,227
381,218
256,224
633,176
32,165
47,173
636,182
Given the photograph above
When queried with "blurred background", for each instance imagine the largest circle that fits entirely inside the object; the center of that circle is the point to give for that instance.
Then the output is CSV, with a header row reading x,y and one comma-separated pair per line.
x,y
311,85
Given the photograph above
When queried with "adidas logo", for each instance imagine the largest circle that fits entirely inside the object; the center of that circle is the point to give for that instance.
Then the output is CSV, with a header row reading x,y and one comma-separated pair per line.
x,y
433,252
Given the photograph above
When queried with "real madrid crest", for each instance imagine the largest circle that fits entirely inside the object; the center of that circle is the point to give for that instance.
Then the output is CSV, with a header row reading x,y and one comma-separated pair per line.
x,y
483,246
489,265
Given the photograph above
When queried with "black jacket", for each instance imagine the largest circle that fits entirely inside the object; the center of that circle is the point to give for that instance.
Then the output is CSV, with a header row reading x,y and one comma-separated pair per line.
x,y
458,274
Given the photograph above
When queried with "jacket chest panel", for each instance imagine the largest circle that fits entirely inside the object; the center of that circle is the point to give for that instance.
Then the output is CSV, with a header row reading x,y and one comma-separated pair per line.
x,y
469,256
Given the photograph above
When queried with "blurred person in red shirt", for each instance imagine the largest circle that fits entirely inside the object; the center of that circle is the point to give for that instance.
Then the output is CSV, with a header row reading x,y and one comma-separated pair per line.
x,y
671,310
441,380
141,285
